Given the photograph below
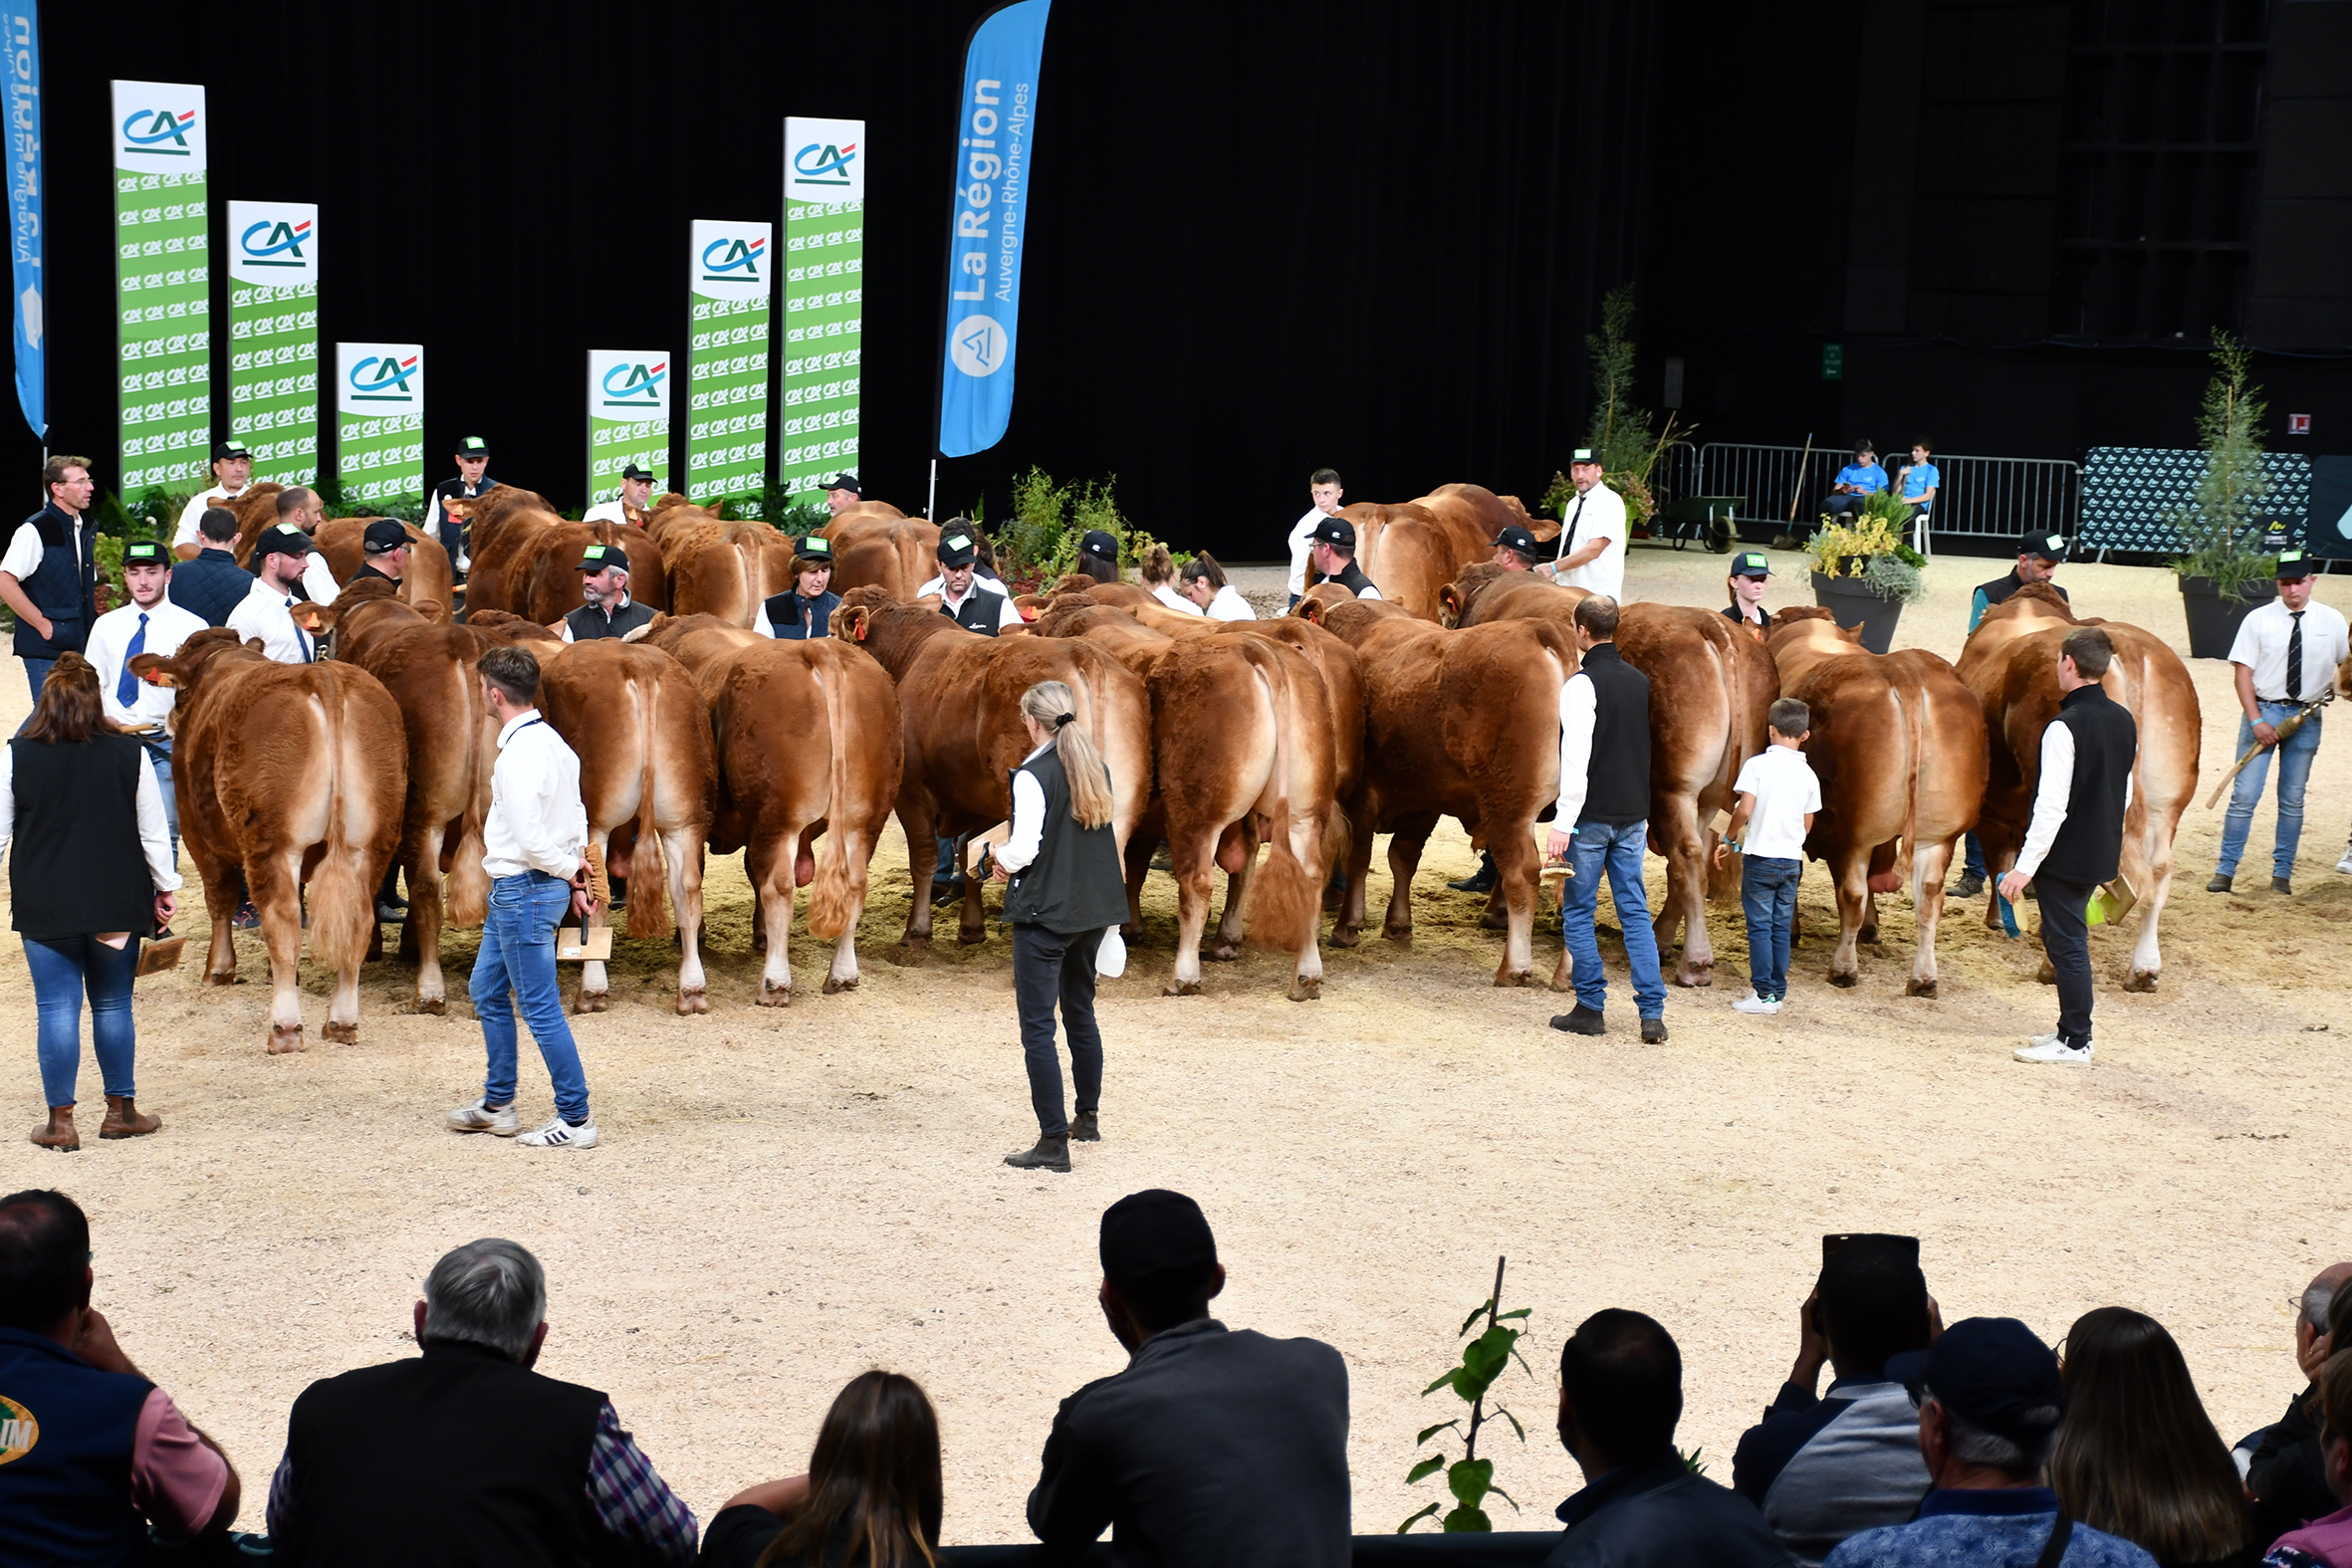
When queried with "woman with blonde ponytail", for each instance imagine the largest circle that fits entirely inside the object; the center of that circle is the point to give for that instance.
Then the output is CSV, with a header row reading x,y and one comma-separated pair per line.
x,y
1065,887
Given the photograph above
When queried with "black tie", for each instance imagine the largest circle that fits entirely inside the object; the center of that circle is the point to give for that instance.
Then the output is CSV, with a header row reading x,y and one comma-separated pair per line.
x,y
2294,659
1567,536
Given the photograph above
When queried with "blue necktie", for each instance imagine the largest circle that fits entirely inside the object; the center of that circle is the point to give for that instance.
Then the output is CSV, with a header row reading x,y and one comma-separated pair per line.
x,y
308,654
126,689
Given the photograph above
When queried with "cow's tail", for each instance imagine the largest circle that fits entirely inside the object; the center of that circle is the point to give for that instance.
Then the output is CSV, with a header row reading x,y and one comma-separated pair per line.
x,y
840,866
1911,696
343,910
649,889
469,884
1286,900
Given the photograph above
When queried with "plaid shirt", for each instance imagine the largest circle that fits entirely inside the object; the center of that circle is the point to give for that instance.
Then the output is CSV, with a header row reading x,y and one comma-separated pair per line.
x,y
630,1499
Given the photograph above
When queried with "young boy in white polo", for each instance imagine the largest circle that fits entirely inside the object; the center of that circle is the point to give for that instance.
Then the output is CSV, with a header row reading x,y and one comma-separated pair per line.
x,y
1779,796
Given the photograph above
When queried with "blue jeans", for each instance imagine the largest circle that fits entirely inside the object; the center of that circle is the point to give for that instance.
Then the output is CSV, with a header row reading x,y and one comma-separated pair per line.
x,y
1767,892
2294,755
36,671
1974,864
62,971
518,956
1596,848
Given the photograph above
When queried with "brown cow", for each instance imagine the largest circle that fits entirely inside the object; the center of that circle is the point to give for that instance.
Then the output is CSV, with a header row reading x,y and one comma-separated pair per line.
x,y
959,700
1710,687
1898,744
294,773
1463,724
425,577
807,741
2010,661
879,548
1242,753
722,567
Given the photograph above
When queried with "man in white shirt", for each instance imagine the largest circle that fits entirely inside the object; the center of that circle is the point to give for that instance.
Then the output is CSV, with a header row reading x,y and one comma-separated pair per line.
x,y
279,557
149,623
1324,490
232,473
1591,553
636,484
970,600
533,844
305,510
2286,654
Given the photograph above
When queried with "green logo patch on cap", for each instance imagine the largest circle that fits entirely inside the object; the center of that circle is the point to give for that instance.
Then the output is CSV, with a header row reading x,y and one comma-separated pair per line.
x,y
289,531
143,550
2056,541
473,444
598,555
2288,558
815,546
958,541
1752,560
1584,454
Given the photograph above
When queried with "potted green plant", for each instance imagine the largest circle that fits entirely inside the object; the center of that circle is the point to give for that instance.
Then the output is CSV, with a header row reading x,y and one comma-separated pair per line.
x,y
2227,569
1620,430
1863,573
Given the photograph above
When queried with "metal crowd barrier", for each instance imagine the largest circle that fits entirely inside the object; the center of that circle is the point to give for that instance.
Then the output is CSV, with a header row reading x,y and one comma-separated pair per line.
x,y
1980,497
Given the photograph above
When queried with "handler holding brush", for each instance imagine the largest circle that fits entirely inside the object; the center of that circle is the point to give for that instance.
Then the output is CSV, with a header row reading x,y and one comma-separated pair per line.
x,y
2286,655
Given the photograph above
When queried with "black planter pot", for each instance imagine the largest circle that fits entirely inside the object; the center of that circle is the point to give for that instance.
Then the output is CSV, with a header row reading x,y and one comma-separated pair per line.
x,y
2213,616
1851,603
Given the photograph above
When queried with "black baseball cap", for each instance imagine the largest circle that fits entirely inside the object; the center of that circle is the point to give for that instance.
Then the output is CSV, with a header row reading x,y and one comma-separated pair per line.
x,y
473,446
2045,547
1751,563
145,553
383,534
1100,544
2293,565
635,472
1993,1372
281,540
956,548
599,558
1517,538
1336,530
1583,454
228,449
1156,1238
847,482
815,547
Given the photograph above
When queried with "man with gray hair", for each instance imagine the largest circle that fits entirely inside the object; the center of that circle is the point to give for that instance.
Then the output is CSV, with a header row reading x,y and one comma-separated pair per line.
x,y
2284,1467
465,1454
1989,1401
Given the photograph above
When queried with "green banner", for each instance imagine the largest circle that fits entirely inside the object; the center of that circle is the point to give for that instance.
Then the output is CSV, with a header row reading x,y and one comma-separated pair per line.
x,y
629,407
824,290
162,284
274,337
379,421
728,275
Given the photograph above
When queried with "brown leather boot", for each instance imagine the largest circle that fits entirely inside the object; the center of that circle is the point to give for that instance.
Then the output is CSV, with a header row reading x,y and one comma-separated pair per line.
x,y
124,1121
58,1131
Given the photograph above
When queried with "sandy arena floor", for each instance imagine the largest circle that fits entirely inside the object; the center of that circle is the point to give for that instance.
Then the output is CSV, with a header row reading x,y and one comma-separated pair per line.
x,y
787,1198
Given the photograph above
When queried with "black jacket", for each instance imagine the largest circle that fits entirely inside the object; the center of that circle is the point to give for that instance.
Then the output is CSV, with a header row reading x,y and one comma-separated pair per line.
x,y
64,587
1212,1450
2288,1475
1661,1515
210,584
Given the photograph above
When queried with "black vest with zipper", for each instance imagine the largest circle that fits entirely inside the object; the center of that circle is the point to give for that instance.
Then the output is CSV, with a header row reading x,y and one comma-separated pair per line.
x,y
2089,847
1075,884
1617,779
75,866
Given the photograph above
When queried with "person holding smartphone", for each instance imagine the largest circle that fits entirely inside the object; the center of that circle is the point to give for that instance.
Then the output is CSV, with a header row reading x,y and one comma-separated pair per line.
x,y
92,876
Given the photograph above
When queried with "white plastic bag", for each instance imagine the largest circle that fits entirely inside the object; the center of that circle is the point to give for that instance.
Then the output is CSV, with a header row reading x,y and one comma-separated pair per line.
x,y
1110,959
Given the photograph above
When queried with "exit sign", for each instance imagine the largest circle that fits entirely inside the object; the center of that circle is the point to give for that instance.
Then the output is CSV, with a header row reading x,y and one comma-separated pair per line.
x,y
2298,425
1833,362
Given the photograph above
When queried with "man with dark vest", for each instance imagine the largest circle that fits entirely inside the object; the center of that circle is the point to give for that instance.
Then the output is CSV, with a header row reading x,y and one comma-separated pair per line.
x,y
969,603
2074,841
466,1455
473,479
2038,560
385,546
210,583
805,609
48,575
605,584
1334,555
1601,821
90,1452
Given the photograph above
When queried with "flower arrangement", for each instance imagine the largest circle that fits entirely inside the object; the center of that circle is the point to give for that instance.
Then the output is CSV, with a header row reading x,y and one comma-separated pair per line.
x,y
1869,547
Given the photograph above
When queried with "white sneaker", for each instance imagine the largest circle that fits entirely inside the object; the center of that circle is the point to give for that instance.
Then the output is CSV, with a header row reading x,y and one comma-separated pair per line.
x,y
1751,1002
482,1117
2345,866
561,1133
2054,1050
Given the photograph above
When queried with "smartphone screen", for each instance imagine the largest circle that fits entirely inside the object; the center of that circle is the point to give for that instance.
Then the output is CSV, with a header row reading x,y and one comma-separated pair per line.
x,y
1831,1244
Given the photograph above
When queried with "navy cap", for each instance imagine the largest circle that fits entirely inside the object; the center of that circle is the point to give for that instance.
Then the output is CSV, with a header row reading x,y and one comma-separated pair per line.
x,y
1336,530
1101,545
473,446
635,472
847,482
1996,1373
281,540
1751,563
145,553
1156,1237
601,558
1517,538
2045,547
383,534
2293,565
956,546
228,449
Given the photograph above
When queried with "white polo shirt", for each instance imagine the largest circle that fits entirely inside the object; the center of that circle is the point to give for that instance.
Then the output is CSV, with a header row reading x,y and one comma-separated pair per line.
x,y
1599,513
2261,648
193,513
110,644
267,613
1785,788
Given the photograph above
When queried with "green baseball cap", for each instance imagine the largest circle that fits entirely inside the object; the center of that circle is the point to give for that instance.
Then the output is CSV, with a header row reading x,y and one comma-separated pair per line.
x,y
601,558
145,553
1751,563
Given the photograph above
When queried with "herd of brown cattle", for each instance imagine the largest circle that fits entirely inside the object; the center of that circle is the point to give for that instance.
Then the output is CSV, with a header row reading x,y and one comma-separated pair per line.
x,y
1305,737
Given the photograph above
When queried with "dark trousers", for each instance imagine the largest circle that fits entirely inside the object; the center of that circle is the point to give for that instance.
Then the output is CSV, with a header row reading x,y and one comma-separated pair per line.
x,y
2066,938
1048,966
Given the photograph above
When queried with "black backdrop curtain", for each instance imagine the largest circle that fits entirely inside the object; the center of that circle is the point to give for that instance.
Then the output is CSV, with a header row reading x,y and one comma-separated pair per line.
x,y
1262,237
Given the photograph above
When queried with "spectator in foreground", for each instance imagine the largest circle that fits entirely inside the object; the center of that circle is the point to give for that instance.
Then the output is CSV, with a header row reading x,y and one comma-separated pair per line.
x,y
109,1451
2136,1454
1620,1395
871,1494
464,1454
2326,1542
2288,1477
1214,1447
1823,1468
1988,1414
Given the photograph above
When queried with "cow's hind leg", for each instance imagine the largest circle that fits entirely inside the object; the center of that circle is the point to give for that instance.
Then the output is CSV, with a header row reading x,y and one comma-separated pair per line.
x,y
2157,877
422,928
1239,860
220,903
595,983
276,886
1405,859
1192,857
681,853
1850,873
1349,929
770,867
1514,878
1928,878
1685,848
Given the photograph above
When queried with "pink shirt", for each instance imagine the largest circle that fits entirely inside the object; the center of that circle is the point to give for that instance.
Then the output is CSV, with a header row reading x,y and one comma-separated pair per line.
x,y
176,1480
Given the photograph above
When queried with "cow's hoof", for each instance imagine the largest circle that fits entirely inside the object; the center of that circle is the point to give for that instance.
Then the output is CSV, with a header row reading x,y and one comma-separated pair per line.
x,y
1845,981
692,1002
1305,989
774,995
343,1033
438,1007
1511,980
592,1002
834,987
1867,934
284,1042
1181,988
1223,953
1402,934
971,936
1347,935
1694,978
216,978
2141,980
1919,987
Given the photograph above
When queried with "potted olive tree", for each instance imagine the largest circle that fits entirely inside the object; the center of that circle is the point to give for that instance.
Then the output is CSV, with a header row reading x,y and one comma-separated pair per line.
x,y
1863,573
2227,569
